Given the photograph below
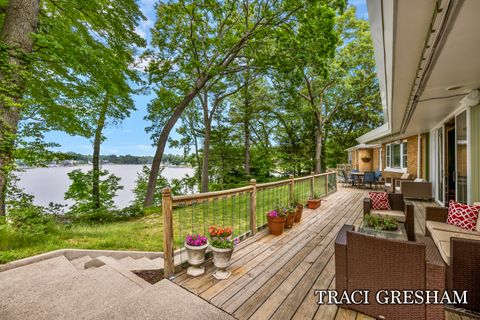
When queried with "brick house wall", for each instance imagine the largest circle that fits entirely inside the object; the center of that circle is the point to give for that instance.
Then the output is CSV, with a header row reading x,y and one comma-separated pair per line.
x,y
412,157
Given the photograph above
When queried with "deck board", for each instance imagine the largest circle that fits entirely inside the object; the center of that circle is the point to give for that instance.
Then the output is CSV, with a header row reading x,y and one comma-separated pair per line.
x,y
274,277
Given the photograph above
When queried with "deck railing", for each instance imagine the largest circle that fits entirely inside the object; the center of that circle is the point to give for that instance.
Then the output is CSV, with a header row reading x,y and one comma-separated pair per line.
x,y
243,208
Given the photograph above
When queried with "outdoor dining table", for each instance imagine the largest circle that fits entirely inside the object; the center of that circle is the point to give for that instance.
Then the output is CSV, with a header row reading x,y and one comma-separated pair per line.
x,y
357,176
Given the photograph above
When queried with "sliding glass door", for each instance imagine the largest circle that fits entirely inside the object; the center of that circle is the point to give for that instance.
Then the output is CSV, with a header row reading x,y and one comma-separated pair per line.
x,y
461,157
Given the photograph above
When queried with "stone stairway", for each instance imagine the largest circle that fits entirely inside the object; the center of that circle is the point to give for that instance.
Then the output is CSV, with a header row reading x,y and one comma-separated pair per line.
x,y
95,288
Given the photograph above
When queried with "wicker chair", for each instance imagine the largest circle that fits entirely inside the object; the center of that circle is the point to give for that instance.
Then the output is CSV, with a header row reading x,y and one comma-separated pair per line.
x,y
364,262
460,249
402,211
415,189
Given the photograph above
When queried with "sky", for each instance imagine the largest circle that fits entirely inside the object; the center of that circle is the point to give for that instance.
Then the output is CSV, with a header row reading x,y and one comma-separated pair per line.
x,y
130,137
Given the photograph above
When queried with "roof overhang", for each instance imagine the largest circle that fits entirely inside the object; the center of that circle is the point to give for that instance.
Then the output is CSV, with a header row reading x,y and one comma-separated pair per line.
x,y
426,53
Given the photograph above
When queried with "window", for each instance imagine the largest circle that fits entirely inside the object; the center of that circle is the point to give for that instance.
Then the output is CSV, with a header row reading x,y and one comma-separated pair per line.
x,y
396,155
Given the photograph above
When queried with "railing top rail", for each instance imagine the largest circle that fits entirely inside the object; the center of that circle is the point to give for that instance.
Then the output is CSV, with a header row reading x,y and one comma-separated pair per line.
x,y
229,192
210,195
272,184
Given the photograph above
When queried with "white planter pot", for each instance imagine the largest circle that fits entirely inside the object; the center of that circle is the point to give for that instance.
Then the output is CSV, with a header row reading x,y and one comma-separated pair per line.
x,y
221,260
196,256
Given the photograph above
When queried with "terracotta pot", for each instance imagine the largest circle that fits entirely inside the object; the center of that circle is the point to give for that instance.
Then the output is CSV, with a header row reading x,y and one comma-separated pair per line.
x,y
289,221
314,203
221,260
298,216
196,256
276,225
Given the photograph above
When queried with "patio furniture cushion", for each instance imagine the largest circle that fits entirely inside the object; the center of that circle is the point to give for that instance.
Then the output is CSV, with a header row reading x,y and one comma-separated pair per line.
x,y
379,200
396,214
397,189
441,234
419,180
463,215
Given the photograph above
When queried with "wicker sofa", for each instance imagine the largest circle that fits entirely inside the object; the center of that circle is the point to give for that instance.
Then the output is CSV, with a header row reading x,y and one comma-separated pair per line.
x,y
365,262
460,250
414,189
402,211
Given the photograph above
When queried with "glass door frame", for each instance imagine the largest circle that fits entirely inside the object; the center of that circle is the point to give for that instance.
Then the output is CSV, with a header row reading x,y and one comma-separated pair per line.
x,y
440,164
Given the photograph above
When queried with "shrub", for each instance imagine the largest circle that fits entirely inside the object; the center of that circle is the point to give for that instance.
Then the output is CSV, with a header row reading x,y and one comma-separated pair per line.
x,y
80,191
26,218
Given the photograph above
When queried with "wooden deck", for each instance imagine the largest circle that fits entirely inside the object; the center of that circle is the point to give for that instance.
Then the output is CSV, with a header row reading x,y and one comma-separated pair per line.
x,y
273,277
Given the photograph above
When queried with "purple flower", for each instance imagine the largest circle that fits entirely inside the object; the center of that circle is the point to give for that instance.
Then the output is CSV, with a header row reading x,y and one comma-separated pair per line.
x,y
196,240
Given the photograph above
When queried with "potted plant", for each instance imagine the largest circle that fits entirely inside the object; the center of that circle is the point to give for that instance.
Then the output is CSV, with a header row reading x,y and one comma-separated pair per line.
x,y
290,212
314,202
276,221
378,222
222,245
299,207
196,245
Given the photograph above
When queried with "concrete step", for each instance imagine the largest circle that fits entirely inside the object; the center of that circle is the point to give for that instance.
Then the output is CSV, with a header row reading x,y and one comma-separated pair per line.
x,y
79,263
80,296
141,264
35,274
148,264
164,300
114,264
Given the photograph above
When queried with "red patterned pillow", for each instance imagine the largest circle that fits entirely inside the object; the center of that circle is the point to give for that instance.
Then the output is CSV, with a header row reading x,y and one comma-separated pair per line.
x,y
463,215
379,200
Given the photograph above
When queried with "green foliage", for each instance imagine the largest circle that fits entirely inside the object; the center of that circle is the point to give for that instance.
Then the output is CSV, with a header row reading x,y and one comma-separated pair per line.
x,y
381,223
141,187
80,191
26,219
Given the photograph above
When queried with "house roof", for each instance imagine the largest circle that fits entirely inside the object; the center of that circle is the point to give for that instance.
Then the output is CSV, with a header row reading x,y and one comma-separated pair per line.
x,y
426,57
364,146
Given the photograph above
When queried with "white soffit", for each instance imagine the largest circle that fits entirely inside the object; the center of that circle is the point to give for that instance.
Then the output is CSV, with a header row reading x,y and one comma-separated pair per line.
x,y
457,65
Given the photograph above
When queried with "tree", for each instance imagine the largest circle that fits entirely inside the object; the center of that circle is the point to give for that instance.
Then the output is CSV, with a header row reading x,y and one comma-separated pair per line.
x,y
56,58
197,42
16,44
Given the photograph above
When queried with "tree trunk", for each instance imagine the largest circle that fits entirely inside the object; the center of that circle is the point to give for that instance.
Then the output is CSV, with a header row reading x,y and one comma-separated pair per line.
x,y
247,124
96,155
20,21
206,155
318,144
206,141
162,140
247,146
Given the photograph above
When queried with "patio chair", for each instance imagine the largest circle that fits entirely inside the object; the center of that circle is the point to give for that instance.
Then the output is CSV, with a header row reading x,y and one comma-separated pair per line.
x,y
416,189
460,250
401,210
368,177
378,178
405,177
353,178
366,262
343,177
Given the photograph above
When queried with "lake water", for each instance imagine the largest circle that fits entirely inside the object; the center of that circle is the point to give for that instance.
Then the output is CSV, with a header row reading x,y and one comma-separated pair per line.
x,y
49,184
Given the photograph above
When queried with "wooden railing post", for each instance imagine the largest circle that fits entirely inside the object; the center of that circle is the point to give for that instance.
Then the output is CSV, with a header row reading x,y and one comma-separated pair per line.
x,y
167,209
292,190
312,184
253,207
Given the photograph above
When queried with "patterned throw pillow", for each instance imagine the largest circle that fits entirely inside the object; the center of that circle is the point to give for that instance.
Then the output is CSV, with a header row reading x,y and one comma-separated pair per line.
x,y
462,215
379,200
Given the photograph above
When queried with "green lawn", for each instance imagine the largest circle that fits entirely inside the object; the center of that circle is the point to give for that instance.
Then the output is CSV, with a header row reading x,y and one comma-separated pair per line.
x,y
146,233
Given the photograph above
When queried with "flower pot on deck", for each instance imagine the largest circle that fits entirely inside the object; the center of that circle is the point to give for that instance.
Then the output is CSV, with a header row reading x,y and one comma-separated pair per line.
x,y
298,215
276,225
314,203
221,260
289,221
195,257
